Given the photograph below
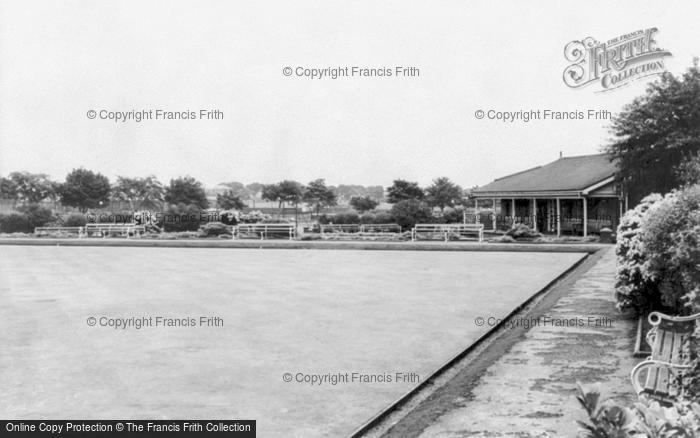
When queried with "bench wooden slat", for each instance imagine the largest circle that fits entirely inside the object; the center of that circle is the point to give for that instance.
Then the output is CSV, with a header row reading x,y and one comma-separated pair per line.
x,y
264,230
668,336
443,230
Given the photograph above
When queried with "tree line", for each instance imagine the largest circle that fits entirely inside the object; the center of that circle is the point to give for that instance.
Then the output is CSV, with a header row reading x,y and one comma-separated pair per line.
x,y
85,189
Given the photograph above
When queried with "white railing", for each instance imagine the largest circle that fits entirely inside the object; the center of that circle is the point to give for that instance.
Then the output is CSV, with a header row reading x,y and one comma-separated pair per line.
x,y
105,230
40,231
446,231
265,231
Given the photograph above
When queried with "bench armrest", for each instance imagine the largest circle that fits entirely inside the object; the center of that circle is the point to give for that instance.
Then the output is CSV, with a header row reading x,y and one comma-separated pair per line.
x,y
656,317
642,366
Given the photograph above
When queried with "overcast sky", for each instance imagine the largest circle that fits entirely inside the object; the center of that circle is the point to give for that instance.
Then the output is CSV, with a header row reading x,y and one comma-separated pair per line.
x,y
61,59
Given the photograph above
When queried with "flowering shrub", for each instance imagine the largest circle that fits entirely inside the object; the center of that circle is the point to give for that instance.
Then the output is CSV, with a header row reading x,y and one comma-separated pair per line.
x,y
180,217
75,220
657,251
632,289
519,231
253,217
15,223
671,239
647,419
214,229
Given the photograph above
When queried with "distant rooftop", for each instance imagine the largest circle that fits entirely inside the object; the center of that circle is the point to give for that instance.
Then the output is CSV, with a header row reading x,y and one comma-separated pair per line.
x,y
565,174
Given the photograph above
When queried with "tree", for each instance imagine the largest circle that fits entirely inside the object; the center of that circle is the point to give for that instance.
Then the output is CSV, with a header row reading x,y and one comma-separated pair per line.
x,y
139,192
8,190
31,187
689,171
272,193
237,189
85,189
186,190
375,192
291,192
403,190
656,133
318,195
254,189
363,203
443,193
229,200
37,216
346,192
409,212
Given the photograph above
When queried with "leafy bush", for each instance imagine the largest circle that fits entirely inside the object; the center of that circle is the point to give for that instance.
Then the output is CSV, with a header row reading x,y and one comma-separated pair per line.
x,y
671,240
180,217
272,220
454,216
213,229
633,290
658,249
253,217
37,216
14,235
15,223
75,220
409,212
152,228
347,218
647,419
383,217
367,218
229,217
309,236
503,239
522,231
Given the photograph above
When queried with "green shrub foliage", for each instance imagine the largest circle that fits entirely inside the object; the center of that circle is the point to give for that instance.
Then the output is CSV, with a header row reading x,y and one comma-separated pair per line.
x,y
632,289
410,212
646,419
37,216
181,217
214,229
522,231
15,223
658,249
75,220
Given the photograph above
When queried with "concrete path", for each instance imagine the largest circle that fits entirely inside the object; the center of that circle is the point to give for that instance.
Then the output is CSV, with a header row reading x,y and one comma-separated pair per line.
x,y
530,391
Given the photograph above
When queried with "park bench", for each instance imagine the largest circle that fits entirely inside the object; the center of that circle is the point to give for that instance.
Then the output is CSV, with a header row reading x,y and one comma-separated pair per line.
x,y
380,228
445,231
112,229
266,231
360,228
42,231
656,375
340,228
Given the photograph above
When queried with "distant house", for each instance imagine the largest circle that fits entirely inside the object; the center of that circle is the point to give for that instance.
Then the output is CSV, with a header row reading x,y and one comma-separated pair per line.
x,y
573,195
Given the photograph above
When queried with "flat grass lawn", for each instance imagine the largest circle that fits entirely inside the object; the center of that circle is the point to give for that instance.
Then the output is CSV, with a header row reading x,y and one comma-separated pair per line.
x,y
302,312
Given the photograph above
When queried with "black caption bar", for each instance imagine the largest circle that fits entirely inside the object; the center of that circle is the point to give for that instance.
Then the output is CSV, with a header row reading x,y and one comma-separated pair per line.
x,y
129,428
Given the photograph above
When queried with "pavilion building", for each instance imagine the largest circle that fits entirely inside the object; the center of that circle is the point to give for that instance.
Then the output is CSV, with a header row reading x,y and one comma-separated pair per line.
x,y
572,195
